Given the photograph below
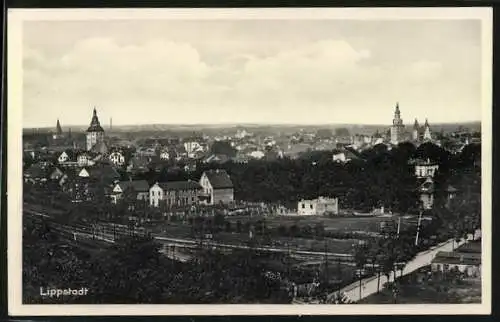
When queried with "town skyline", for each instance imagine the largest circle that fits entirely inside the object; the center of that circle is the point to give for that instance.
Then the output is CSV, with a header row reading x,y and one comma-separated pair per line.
x,y
311,72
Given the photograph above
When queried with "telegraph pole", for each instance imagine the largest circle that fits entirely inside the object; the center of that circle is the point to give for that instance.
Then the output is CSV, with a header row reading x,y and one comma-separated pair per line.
x,y
326,261
418,227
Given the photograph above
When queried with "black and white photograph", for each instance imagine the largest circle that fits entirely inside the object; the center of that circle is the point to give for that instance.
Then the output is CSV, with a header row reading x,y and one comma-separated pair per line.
x,y
282,161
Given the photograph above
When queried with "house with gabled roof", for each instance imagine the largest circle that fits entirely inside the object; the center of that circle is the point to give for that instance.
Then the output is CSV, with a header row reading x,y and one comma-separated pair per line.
x,y
132,189
217,187
67,156
174,194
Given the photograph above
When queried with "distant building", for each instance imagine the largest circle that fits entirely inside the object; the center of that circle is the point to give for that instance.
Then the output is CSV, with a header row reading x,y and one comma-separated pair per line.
x,y
59,133
421,134
171,194
344,156
427,193
133,189
427,131
95,132
397,128
217,187
117,158
318,207
425,168
466,259
416,131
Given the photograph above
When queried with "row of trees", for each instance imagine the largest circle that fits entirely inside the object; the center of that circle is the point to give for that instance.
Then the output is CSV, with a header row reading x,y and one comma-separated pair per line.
x,y
380,177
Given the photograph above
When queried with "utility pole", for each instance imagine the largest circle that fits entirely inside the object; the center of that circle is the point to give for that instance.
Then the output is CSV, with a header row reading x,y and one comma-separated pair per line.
x,y
326,261
418,228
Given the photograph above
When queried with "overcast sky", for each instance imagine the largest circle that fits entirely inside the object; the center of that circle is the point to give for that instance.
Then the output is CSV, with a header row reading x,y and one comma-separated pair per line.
x,y
247,71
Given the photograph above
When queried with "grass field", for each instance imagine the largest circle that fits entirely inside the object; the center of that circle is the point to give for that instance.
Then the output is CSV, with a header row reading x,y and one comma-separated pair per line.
x,y
344,224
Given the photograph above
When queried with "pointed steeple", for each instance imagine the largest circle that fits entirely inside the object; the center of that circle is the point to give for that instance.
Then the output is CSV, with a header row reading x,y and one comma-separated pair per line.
x,y
426,123
415,125
95,125
397,112
58,128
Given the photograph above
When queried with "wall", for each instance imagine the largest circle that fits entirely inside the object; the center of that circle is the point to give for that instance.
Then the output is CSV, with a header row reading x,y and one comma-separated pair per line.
x,y
224,195
306,208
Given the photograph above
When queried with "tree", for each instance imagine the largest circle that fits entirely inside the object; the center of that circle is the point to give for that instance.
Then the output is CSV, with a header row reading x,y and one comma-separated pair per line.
x,y
342,132
223,147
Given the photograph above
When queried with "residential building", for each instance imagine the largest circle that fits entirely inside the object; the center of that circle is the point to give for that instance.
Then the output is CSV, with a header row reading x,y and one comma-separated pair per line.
x,y
344,156
318,207
164,155
465,262
132,190
86,159
216,158
217,187
56,174
117,158
67,156
174,194
397,128
192,146
425,168
95,132
427,193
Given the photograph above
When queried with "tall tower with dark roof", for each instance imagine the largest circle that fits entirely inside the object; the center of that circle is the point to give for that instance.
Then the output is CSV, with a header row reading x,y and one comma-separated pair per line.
x,y
416,131
427,131
95,132
397,128
58,128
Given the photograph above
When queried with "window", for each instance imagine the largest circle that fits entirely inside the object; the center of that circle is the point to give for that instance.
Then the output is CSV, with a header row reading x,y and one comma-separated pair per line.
x,y
311,206
303,205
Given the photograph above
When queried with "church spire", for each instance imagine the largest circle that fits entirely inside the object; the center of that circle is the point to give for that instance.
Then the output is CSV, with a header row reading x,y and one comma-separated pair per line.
x,y
95,125
415,125
426,123
58,128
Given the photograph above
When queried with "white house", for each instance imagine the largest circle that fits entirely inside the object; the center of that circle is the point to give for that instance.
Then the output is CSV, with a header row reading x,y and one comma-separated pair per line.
x,y
177,193
257,154
117,158
84,173
192,146
425,168
344,156
318,207
84,159
66,156
164,155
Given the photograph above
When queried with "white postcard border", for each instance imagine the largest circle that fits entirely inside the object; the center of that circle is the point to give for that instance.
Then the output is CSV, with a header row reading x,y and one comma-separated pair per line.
x,y
14,160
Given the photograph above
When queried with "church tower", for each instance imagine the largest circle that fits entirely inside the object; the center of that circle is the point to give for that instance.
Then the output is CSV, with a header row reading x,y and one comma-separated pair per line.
x,y
427,131
416,131
95,132
59,132
397,127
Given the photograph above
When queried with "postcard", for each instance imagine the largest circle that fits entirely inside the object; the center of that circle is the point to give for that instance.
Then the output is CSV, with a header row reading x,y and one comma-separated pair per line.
x,y
249,161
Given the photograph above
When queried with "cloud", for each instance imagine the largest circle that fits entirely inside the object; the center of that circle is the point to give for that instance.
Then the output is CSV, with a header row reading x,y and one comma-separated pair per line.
x,y
171,81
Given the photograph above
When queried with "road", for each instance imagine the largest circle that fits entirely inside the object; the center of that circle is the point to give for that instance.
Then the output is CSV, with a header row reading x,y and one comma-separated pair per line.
x,y
369,284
